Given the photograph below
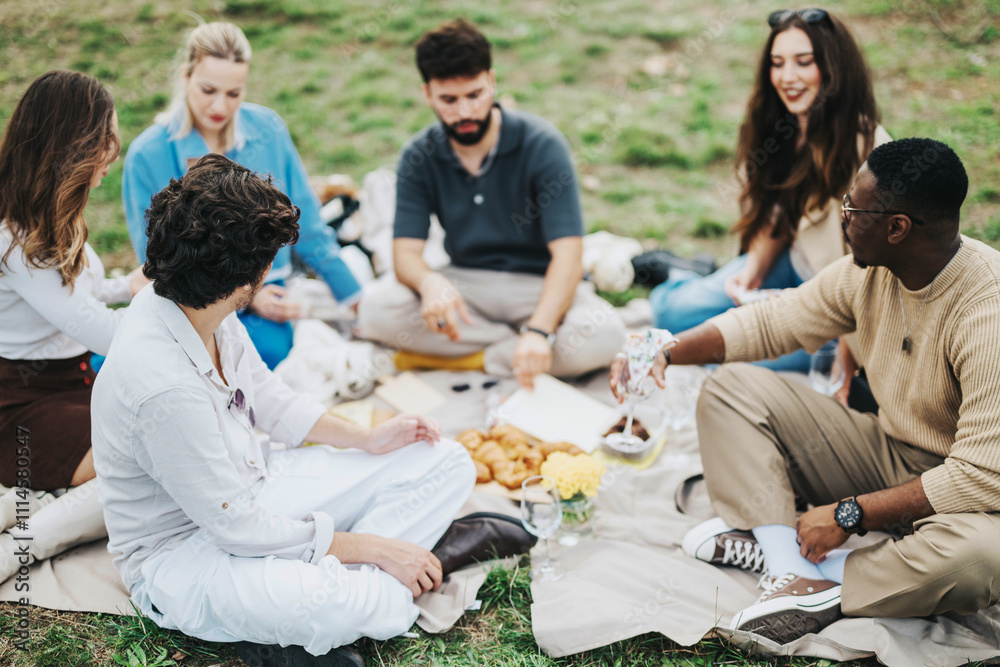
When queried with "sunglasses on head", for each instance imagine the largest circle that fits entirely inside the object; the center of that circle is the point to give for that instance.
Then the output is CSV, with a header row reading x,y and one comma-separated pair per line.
x,y
810,15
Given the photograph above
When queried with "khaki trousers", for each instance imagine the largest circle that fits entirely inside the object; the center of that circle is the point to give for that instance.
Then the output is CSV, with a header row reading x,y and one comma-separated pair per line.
x,y
499,304
765,440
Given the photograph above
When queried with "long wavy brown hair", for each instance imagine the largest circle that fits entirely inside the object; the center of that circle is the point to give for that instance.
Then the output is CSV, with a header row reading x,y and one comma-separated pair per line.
x,y
780,181
60,135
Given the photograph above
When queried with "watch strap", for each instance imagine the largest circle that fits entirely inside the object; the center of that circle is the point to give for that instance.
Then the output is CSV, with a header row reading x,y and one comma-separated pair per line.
x,y
549,337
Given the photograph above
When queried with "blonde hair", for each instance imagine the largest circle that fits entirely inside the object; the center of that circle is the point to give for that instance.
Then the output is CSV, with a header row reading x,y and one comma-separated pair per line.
x,y
218,40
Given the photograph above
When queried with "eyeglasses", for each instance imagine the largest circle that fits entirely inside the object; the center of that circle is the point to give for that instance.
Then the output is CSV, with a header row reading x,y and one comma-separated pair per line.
x,y
239,401
810,15
846,209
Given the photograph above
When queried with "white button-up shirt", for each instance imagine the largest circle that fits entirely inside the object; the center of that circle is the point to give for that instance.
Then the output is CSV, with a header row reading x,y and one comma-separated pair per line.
x,y
173,452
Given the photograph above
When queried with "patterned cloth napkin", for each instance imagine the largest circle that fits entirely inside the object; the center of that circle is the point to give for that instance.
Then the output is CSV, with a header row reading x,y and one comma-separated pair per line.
x,y
641,350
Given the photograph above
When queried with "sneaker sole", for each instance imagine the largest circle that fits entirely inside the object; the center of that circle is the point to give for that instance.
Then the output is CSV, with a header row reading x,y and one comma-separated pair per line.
x,y
783,627
702,533
774,620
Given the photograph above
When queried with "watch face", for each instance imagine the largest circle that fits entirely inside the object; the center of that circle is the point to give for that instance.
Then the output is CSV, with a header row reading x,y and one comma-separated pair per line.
x,y
847,514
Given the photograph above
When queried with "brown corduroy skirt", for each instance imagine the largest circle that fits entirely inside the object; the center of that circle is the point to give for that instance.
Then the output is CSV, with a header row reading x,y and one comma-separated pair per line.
x,y
44,420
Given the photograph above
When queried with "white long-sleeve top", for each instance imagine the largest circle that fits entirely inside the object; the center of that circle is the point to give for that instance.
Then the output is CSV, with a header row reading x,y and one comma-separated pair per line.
x,y
40,318
173,452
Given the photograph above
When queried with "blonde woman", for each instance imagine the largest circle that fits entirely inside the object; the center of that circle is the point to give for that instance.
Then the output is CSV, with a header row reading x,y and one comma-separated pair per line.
x,y
209,115
59,144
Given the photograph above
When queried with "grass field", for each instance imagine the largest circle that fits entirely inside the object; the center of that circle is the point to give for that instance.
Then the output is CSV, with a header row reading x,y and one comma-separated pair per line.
x,y
650,95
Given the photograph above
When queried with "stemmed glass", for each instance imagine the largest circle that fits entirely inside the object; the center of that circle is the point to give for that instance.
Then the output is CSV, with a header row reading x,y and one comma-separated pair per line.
x,y
680,398
826,372
541,514
626,442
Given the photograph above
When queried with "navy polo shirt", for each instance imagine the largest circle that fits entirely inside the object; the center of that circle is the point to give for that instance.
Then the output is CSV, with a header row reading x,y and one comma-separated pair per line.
x,y
503,219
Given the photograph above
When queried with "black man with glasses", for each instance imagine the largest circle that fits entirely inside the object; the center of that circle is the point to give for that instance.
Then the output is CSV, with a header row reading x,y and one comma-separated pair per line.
x,y
925,303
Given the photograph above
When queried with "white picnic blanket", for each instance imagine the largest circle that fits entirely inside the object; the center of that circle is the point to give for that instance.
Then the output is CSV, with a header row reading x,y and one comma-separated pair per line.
x,y
632,579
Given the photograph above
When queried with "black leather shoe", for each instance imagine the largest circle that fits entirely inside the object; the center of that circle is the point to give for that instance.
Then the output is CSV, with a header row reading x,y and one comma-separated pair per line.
x,y
481,536
262,655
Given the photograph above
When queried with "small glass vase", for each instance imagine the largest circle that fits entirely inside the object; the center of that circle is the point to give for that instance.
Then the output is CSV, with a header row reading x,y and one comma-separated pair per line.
x,y
578,520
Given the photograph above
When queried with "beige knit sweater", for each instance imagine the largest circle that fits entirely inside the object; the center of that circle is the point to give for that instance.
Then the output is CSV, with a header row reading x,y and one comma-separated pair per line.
x,y
943,395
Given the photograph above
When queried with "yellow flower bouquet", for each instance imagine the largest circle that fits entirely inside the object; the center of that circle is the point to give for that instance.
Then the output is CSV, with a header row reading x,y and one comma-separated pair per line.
x,y
574,474
577,477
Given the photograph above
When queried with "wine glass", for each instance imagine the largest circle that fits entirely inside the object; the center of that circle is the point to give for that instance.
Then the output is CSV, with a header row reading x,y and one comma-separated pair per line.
x,y
826,372
626,442
680,399
541,514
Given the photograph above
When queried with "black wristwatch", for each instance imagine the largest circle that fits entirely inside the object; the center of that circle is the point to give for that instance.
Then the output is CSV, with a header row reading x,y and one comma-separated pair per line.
x,y
849,515
550,337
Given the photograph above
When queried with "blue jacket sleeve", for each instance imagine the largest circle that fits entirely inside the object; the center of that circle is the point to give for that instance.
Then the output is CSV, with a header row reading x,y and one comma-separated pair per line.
x,y
317,244
138,188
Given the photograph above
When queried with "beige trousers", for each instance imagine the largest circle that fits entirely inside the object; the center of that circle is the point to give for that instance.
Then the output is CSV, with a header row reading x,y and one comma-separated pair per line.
x,y
499,304
765,440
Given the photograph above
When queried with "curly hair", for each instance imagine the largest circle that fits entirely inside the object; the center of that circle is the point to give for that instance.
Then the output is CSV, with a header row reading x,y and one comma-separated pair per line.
x,y
60,135
215,230
923,177
779,178
454,49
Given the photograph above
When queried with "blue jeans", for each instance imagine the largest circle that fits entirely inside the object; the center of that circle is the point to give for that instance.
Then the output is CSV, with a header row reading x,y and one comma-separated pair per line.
x,y
686,300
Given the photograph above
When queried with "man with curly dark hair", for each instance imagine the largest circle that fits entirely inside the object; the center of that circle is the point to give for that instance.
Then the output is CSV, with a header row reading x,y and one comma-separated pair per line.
x,y
218,536
925,303
502,184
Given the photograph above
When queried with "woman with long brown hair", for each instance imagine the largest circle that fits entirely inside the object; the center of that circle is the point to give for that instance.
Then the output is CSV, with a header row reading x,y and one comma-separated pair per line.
x,y
811,121
59,144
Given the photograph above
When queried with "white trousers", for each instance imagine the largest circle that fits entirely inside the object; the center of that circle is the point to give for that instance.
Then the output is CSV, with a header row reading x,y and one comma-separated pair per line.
x,y
411,494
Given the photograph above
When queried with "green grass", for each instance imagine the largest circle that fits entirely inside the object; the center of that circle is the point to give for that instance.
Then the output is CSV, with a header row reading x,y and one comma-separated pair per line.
x,y
657,150
499,635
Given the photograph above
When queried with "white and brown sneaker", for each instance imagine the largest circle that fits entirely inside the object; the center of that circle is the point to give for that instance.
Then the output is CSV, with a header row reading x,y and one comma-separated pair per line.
x,y
791,607
716,543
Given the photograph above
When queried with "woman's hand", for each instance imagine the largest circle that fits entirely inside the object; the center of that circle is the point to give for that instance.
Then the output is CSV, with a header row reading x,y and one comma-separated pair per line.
x,y
137,280
401,431
270,304
741,283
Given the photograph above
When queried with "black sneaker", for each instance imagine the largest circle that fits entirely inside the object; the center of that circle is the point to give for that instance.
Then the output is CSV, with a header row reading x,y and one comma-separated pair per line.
x,y
263,655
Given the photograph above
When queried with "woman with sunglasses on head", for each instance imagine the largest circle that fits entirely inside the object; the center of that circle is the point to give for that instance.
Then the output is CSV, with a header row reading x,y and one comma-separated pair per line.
x,y
208,115
59,144
811,121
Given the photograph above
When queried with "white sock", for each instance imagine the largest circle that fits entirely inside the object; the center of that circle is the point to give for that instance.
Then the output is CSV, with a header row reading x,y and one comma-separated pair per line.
x,y
30,502
833,567
781,552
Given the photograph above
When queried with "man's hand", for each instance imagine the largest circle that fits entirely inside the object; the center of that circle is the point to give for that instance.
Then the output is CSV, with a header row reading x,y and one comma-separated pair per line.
x,y
619,375
418,569
137,280
270,304
818,533
442,305
532,356
401,431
